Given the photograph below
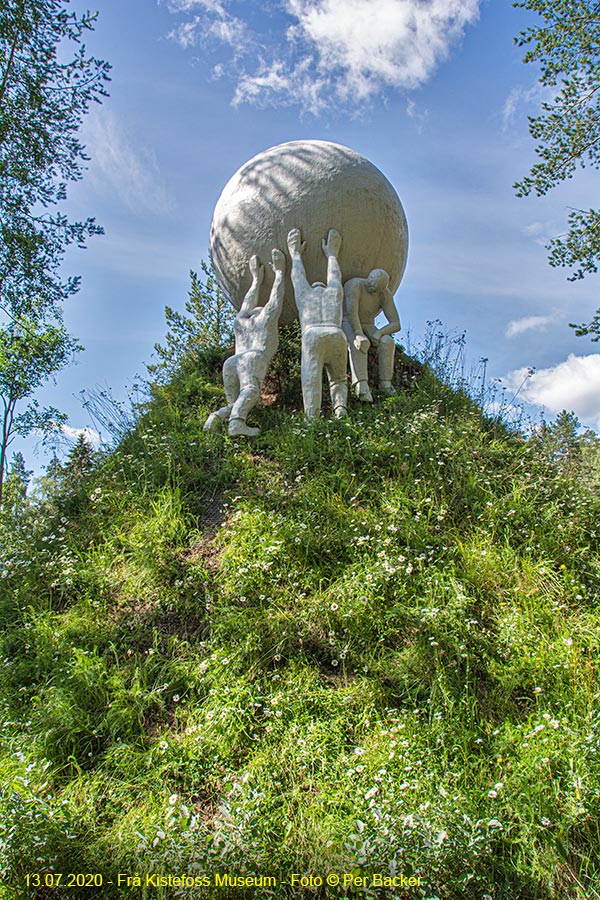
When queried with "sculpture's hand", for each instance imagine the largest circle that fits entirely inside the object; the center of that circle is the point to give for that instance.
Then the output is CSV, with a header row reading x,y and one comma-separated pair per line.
x,y
362,343
294,242
331,247
258,271
376,337
278,260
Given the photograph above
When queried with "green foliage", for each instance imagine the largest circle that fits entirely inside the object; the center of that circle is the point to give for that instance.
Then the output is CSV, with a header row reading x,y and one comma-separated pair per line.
x,y
561,439
14,499
283,380
44,95
66,486
32,349
80,460
43,98
196,341
444,355
366,645
112,417
592,327
566,46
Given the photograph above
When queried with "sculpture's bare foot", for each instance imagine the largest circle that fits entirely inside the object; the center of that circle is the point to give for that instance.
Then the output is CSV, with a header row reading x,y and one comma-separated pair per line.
x,y
339,412
363,392
294,242
257,271
278,260
238,427
331,247
387,388
214,423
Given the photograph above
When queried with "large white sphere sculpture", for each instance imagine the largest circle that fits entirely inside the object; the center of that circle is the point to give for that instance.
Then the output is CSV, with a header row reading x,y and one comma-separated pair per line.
x,y
314,186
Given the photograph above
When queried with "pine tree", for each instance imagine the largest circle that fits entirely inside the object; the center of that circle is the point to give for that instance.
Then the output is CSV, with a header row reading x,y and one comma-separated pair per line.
x,y
15,488
81,458
207,326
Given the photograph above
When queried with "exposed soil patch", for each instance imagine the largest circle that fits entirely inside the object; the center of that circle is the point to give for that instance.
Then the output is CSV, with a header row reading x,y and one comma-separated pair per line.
x,y
214,511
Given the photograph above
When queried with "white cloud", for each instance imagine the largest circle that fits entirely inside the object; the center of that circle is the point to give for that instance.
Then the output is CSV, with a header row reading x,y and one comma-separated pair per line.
x,y
132,171
535,229
210,20
395,43
519,100
186,34
522,102
91,436
573,384
212,6
335,52
413,112
541,232
530,323
274,83
231,31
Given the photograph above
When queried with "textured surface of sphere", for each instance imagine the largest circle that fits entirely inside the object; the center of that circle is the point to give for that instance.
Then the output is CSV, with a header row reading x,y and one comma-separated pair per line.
x,y
314,186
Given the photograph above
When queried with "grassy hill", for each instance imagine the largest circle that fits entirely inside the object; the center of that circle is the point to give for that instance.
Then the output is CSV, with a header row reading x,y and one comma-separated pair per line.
x,y
363,649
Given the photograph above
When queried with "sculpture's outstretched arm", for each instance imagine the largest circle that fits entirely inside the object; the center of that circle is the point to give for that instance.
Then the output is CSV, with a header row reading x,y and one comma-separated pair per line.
x,y
391,313
331,249
251,298
275,301
351,304
352,291
296,249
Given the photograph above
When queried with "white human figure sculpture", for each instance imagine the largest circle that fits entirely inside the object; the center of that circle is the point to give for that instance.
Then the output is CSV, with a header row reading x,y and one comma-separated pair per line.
x,y
320,309
364,300
256,342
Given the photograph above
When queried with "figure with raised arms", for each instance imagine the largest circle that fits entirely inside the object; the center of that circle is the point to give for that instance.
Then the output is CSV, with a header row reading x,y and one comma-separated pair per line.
x,y
256,342
320,308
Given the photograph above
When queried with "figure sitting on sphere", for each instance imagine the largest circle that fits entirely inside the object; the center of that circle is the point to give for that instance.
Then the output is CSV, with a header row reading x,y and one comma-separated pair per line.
x,y
320,309
364,300
256,341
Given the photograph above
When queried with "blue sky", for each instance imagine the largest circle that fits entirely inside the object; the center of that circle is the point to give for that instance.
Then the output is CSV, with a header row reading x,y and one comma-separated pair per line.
x,y
433,92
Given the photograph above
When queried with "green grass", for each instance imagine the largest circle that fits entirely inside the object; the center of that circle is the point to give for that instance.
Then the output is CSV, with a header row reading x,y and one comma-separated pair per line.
x,y
379,657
